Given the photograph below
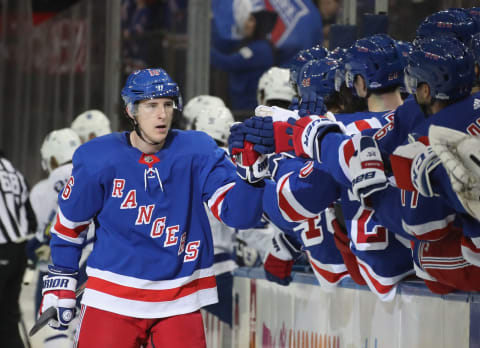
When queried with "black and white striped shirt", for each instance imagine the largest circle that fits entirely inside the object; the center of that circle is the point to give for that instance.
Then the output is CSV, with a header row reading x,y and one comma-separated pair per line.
x,y
17,219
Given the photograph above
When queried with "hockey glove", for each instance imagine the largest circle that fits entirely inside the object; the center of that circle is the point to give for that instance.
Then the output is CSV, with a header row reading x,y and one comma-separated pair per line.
x,y
294,104
311,104
259,131
460,156
59,291
279,260
412,164
251,166
366,168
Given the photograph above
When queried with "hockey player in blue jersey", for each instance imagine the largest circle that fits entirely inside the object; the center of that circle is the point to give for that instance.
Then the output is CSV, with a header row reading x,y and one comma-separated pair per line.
x,y
388,247
440,97
151,268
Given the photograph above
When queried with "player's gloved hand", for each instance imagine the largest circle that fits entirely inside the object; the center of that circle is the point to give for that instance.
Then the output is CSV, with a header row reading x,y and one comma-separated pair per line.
x,y
460,156
412,164
279,260
59,291
366,168
278,117
259,131
294,104
251,165
306,134
311,104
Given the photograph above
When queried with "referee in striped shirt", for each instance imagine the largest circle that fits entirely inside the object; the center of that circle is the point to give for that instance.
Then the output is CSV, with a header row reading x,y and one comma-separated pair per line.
x,y
17,221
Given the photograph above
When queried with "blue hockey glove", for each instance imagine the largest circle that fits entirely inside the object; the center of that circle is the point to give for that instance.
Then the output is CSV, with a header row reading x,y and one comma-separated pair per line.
x,y
280,259
259,131
366,168
59,291
251,165
236,137
294,104
311,104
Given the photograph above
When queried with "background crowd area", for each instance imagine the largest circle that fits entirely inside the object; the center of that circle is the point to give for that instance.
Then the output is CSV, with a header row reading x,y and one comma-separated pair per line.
x,y
56,61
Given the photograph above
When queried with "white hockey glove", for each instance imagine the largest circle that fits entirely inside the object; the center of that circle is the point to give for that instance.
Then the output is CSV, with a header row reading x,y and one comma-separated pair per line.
x,y
366,168
412,164
460,156
59,291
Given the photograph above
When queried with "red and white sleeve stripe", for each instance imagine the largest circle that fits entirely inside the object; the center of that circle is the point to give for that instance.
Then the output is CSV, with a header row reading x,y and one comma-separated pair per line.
x,y
290,208
432,230
69,230
215,202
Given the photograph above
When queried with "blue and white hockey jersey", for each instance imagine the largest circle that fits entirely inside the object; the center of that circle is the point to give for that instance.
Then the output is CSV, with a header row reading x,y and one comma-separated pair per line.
x,y
315,232
153,252
383,259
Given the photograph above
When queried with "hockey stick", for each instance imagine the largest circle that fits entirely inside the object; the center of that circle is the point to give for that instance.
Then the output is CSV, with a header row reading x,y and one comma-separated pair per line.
x,y
49,314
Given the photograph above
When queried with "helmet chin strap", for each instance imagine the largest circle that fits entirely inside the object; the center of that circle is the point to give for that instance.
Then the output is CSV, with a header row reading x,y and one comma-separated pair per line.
x,y
139,132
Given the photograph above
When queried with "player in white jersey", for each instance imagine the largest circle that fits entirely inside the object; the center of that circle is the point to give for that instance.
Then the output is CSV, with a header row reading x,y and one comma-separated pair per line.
x,y
56,151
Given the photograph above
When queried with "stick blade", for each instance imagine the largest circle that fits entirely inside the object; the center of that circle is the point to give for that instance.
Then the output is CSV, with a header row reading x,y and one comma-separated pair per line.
x,y
43,320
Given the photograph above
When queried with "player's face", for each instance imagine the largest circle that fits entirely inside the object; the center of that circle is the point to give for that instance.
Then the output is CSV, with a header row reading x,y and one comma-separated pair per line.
x,y
155,118
249,28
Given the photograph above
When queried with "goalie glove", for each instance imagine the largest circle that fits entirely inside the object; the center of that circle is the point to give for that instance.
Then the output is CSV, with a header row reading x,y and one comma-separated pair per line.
x,y
412,164
59,291
279,260
366,168
459,154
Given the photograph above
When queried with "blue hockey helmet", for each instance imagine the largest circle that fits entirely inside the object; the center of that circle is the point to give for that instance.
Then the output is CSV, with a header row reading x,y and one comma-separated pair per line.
x,y
475,47
445,64
318,76
474,13
377,59
317,52
149,84
338,53
454,22
302,57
